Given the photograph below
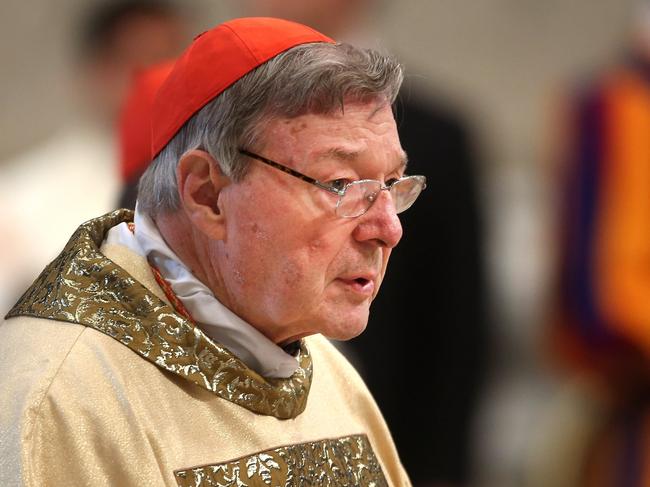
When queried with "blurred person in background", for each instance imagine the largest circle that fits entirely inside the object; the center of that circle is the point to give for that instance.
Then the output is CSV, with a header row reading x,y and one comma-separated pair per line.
x,y
600,435
134,129
436,285
72,177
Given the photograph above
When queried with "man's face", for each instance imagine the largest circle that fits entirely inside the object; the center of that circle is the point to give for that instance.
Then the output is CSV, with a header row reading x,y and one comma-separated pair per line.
x,y
288,264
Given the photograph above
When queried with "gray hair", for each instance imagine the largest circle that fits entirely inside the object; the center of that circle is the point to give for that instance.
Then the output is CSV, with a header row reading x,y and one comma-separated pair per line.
x,y
309,78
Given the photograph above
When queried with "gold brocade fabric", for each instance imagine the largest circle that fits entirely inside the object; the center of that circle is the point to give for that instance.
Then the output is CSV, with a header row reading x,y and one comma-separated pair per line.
x,y
347,461
85,287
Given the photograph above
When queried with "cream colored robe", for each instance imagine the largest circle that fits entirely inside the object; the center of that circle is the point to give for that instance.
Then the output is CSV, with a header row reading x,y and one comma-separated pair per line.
x,y
103,383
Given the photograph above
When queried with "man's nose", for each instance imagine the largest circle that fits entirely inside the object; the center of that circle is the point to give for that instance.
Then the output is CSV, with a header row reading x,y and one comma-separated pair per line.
x,y
380,222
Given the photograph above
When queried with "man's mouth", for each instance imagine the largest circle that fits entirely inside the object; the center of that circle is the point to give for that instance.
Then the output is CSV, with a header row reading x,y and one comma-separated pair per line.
x,y
359,285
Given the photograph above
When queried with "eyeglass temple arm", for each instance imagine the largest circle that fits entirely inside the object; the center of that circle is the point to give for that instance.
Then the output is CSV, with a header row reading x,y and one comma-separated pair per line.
x,y
294,173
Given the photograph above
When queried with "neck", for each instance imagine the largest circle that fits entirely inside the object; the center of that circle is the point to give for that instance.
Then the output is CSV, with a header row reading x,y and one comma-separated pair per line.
x,y
184,256
190,245
198,253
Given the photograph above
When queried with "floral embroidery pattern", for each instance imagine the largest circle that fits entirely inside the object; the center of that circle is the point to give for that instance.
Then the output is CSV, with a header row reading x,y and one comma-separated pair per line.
x,y
85,287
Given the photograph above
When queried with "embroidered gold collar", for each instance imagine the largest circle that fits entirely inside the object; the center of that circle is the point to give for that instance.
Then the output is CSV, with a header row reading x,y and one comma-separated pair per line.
x,y
85,287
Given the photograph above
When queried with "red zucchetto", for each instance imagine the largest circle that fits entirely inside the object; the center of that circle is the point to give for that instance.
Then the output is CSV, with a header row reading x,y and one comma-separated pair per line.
x,y
214,61
134,124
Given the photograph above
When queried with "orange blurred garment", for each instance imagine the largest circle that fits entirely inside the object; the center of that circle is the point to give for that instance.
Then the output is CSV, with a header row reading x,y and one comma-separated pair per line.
x,y
623,227
603,310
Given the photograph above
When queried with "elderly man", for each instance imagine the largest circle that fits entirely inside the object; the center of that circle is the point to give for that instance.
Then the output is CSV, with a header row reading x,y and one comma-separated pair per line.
x,y
184,346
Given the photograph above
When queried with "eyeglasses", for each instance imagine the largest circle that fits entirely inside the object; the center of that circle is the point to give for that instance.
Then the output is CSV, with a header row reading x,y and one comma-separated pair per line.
x,y
356,197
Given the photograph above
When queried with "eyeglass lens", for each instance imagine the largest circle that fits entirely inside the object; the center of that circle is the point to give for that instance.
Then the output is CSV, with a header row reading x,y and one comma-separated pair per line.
x,y
360,195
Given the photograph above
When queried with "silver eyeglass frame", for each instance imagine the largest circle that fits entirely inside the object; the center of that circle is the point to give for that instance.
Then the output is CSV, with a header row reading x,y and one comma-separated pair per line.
x,y
342,192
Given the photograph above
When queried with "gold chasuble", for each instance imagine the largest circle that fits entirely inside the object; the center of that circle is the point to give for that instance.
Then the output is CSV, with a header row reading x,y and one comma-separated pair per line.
x,y
103,382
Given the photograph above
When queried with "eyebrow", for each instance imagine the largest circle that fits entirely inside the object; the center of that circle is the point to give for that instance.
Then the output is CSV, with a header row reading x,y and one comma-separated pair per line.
x,y
341,154
338,153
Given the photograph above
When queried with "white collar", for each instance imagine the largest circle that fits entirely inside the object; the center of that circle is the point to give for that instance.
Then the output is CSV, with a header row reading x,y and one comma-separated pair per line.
x,y
216,321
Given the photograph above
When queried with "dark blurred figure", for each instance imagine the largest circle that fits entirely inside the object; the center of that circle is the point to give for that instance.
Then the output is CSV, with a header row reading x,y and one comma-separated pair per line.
x,y
602,325
424,350
119,37
71,177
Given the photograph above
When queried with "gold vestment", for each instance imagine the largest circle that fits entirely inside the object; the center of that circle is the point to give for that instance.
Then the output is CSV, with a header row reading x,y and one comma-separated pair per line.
x,y
103,383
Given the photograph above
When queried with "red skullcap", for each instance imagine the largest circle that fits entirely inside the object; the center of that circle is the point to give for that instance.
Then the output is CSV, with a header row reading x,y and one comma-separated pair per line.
x,y
135,120
214,61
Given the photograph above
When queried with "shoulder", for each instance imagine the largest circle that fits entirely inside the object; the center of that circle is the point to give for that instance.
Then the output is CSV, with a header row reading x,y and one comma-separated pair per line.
x,y
32,351
35,347
70,403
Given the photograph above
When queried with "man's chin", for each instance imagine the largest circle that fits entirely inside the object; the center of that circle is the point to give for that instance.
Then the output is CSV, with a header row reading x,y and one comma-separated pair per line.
x,y
347,328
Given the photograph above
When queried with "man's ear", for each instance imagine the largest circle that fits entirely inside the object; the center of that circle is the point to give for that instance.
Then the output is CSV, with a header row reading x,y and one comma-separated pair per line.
x,y
200,181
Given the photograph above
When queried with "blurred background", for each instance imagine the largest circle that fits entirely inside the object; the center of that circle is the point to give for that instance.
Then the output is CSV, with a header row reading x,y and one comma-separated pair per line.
x,y
506,107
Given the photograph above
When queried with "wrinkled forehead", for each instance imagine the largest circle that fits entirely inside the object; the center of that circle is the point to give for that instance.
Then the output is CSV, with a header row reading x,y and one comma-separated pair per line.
x,y
352,118
342,133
